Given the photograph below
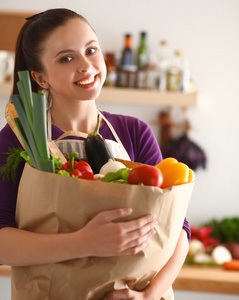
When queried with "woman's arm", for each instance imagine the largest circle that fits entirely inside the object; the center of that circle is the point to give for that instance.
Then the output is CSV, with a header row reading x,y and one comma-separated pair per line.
x,y
165,278
162,281
100,237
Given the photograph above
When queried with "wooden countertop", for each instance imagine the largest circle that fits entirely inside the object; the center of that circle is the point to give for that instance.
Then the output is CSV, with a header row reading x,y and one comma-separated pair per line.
x,y
195,279
207,279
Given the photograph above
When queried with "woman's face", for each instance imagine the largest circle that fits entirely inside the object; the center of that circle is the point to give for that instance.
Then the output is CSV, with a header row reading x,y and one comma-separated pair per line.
x,y
74,65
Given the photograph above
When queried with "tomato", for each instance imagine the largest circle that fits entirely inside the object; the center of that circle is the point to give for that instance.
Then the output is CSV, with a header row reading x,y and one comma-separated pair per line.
x,y
174,172
147,175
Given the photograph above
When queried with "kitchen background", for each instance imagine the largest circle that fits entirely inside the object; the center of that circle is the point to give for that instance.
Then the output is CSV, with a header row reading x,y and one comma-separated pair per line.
x,y
207,34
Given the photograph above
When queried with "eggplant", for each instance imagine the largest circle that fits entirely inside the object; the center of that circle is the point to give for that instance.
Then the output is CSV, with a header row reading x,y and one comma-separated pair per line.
x,y
97,150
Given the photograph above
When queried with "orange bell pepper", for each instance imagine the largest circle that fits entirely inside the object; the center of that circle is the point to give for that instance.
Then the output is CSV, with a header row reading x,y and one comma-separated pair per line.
x,y
174,172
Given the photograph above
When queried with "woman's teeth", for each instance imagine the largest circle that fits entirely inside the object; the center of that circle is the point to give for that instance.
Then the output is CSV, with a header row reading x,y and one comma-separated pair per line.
x,y
87,81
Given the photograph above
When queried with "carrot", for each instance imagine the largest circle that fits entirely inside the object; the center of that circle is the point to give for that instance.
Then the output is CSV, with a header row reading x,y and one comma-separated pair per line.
x,y
231,265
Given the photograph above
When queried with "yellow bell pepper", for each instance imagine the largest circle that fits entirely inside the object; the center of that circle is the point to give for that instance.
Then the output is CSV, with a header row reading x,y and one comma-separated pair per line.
x,y
174,172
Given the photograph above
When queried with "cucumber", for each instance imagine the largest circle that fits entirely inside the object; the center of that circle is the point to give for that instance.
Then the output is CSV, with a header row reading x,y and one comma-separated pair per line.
x,y
97,150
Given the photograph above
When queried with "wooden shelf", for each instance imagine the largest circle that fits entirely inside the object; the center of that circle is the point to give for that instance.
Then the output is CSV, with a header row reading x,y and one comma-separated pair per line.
x,y
134,96
148,97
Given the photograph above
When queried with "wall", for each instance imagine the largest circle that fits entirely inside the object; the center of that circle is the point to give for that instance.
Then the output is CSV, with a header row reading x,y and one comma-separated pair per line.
x,y
207,33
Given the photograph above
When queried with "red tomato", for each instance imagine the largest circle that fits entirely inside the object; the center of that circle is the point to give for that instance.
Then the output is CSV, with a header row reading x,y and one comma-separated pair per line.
x,y
146,174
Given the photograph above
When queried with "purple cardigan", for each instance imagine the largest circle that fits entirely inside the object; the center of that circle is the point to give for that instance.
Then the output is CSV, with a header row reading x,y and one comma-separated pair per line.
x,y
136,136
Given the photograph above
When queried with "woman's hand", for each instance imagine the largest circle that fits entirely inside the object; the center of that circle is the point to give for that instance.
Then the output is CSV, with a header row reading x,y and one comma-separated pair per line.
x,y
103,237
125,294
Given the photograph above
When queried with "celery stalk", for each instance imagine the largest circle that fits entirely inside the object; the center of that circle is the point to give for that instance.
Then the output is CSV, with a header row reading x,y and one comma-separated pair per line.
x,y
27,131
25,79
24,139
25,103
31,123
39,124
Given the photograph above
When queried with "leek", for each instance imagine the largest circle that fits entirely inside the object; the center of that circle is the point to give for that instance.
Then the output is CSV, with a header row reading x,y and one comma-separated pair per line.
x,y
31,123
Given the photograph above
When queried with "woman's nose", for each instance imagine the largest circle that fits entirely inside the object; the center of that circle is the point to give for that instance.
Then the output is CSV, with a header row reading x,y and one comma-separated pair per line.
x,y
84,65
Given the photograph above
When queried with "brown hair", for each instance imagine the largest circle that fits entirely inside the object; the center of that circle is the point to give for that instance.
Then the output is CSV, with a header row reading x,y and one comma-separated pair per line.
x,y
30,41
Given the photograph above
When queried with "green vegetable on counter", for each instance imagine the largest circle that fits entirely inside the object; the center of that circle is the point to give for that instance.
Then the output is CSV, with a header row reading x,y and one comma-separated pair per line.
x,y
225,230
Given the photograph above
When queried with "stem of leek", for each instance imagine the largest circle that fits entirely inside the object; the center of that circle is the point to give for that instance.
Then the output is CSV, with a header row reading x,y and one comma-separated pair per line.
x,y
31,123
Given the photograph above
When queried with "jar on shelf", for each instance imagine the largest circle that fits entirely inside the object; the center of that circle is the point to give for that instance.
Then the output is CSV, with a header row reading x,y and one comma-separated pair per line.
x,y
126,76
174,73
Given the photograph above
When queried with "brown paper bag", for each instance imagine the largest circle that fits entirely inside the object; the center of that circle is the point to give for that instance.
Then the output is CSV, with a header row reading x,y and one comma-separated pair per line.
x,y
51,203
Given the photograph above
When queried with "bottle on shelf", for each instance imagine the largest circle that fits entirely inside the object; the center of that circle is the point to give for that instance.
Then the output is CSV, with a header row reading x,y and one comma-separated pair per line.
x,y
126,73
110,62
127,54
163,64
186,82
174,73
142,52
142,61
152,74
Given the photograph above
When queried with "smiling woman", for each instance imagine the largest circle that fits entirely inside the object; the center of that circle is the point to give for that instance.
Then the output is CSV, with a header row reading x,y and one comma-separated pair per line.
x,y
62,53
74,65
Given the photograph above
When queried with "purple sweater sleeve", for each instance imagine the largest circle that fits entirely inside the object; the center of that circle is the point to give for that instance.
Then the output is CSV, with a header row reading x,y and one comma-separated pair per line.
x,y
8,189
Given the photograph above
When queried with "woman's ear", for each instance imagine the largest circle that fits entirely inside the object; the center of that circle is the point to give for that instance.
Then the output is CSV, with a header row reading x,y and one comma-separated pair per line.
x,y
40,80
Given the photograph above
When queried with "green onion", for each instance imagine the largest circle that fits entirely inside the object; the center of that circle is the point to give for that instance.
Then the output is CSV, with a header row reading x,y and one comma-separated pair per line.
x,y
31,123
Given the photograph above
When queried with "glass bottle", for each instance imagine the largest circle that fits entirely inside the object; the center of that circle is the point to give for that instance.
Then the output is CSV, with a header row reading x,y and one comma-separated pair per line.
x,y
142,62
186,76
126,73
163,64
142,52
174,73
127,54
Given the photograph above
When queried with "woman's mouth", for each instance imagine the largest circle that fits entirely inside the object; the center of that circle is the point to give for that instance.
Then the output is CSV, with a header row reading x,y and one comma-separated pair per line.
x,y
87,81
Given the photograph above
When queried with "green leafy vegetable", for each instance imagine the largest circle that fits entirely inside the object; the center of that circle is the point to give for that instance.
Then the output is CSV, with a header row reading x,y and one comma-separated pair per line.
x,y
57,161
64,173
14,158
26,157
31,123
225,230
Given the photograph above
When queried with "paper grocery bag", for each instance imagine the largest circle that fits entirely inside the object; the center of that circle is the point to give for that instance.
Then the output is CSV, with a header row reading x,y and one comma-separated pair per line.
x,y
51,203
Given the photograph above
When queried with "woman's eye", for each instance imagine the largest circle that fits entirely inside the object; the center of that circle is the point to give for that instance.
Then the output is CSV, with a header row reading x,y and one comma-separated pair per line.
x,y
66,59
91,50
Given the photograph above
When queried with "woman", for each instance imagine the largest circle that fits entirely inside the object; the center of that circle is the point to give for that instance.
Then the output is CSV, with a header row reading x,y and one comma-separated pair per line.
x,y
62,53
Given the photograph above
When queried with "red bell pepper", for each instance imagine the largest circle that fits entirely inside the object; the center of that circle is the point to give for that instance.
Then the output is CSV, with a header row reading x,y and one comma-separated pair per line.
x,y
79,169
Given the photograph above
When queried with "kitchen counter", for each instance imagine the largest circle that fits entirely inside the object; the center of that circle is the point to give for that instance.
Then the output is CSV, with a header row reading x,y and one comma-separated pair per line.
x,y
195,279
207,279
